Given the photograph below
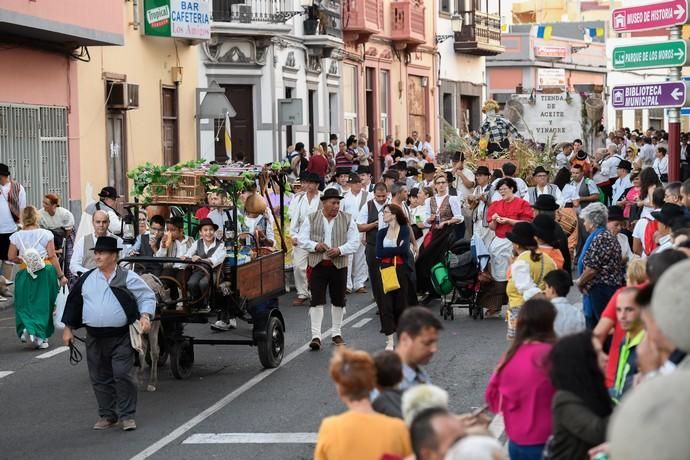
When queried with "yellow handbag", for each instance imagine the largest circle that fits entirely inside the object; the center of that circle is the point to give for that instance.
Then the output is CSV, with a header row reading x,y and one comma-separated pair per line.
x,y
389,278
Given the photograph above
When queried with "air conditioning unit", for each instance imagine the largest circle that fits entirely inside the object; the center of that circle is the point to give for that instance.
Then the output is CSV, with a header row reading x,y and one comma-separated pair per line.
x,y
241,13
123,96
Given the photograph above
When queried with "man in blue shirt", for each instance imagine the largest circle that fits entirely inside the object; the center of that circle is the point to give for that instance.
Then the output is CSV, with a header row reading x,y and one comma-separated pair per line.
x,y
106,301
418,331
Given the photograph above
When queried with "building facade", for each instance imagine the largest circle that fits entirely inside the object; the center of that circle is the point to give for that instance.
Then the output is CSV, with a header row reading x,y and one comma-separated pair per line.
x,y
264,53
85,96
41,43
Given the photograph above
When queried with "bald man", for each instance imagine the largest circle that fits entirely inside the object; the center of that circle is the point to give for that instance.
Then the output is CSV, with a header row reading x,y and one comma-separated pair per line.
x,y
83,257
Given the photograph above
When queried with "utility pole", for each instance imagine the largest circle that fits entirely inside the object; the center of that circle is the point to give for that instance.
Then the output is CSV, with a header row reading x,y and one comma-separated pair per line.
x,y
675,74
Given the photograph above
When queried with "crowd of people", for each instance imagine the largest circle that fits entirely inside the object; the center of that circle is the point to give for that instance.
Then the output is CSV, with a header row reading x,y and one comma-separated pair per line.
x,y
608,224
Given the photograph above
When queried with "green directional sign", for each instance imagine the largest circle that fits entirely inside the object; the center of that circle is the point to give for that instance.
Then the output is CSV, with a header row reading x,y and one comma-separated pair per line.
x,y
672,53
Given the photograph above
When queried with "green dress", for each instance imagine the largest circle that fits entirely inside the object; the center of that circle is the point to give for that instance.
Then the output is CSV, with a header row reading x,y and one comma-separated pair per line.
x,y
34,301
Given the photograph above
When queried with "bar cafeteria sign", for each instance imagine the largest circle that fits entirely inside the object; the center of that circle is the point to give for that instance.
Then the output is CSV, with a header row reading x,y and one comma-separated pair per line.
x,y
177,18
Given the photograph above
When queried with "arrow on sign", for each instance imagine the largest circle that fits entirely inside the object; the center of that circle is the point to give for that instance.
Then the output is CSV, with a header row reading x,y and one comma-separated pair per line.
x,y
676,94
679,12
679,54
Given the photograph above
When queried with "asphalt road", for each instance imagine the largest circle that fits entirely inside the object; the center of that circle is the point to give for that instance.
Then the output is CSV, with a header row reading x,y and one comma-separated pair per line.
x,y
48,406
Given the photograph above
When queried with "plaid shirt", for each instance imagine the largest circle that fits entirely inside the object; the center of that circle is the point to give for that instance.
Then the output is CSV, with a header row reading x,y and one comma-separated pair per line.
x,y
500,130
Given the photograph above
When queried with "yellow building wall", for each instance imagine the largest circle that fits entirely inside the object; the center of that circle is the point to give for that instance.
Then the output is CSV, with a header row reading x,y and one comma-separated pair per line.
x,y
146,61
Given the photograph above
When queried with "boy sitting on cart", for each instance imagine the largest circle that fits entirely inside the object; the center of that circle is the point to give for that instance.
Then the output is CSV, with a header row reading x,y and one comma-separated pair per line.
x,y
210,250
174,244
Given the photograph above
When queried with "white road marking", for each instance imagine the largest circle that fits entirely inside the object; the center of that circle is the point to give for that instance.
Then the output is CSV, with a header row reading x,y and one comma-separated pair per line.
x,y
361,323
5,373
51,353
230,397
251,438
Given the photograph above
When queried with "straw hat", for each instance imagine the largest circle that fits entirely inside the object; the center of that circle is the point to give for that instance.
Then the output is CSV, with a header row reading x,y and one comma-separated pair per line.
x,y
255,204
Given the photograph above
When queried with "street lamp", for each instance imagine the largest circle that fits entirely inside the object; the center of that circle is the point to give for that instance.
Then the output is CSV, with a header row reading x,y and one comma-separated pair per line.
x,y
215,104
456,26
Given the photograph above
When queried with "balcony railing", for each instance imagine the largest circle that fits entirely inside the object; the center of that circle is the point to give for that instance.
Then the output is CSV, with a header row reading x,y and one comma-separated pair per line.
x,y
480,34
248,11
362,18
324,18
408,22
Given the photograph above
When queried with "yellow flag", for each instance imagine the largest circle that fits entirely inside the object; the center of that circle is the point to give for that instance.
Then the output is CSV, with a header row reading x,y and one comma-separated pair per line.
x,y
228,140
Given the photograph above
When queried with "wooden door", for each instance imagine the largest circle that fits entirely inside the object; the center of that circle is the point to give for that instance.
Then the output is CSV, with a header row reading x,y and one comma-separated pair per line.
x,y
171,148
241,126
416,107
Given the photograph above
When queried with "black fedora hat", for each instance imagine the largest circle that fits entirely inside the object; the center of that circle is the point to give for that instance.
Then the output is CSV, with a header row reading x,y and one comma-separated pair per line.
x,y
412,171
4,170
353,178
544,228
331,193
361,169
343,171
106,243
108,192
545,203
540,170
482,171
458,156
522,235
625,164
616,213
429,168
206,221
669,212
310,177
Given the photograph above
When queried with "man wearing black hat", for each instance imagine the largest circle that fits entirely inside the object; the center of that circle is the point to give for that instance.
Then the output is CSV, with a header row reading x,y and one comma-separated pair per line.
x,y
622,183
364,173
428,173
329,235
12,202
108,202
301,206
479,202
107,300
340,184
667,217
540,177
352,204
390,177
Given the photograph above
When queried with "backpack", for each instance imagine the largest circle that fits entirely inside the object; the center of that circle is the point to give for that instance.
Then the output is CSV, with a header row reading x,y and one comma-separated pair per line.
x,y
649,231
32,258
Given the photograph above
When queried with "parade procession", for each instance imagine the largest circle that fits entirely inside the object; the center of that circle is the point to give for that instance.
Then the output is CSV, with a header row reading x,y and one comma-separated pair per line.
x,y
345,229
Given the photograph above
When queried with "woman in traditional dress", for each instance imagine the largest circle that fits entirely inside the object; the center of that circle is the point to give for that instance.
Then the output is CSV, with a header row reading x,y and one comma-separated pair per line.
x,y
36,284
441,212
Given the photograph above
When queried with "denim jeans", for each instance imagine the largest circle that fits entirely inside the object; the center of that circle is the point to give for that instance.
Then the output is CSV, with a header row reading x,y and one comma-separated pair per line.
x,y
595,301
519,452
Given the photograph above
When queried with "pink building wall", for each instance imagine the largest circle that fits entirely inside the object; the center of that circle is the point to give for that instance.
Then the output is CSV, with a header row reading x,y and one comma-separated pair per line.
x,y
502,78
102,15
43,78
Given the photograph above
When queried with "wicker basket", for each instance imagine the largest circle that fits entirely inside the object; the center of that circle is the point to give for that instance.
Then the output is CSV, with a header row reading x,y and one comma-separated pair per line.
x,y
595,108
188,190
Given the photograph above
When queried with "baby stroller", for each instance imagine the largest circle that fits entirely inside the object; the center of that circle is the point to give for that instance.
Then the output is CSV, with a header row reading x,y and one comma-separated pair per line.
x,y
456,279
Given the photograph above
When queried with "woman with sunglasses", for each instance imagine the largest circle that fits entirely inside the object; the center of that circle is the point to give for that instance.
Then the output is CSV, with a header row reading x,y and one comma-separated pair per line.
x,y
442,212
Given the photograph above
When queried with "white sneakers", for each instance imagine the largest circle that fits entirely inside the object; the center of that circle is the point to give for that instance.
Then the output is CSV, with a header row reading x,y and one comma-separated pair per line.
x,y
39,344
43,344
390,342
223,326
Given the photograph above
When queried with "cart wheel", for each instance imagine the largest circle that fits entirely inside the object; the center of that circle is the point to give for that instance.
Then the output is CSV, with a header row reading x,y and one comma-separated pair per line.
x,y
182,359
271,351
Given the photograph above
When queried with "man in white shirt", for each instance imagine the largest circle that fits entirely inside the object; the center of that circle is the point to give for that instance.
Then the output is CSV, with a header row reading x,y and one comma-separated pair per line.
x,y
340,184
369,222
108,203
12,202
607,171
426,146
543,187
647,153
464,186
300,207
660,164
666,217
329,235
83,258
622,183
562,157
352,203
